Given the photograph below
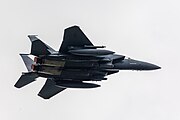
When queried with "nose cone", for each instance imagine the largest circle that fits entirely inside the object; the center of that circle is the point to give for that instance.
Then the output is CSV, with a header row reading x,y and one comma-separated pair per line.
x,y
140,65
130,64
149,66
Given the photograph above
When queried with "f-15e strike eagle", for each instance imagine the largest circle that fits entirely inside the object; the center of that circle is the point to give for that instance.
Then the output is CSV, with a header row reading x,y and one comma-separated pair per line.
x,y
76,62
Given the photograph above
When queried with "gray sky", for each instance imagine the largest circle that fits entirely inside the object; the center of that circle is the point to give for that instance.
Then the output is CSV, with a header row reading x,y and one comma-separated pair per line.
x,y
141,29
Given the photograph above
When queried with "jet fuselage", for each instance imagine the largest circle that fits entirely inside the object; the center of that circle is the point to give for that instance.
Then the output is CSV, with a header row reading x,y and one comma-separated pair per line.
x,y
76,63
86,68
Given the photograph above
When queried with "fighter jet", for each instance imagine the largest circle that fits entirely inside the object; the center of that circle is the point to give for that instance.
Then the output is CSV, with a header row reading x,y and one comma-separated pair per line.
x,y
76,65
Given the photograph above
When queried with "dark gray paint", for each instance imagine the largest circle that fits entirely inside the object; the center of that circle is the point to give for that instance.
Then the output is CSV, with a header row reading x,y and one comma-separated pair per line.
x,y
77,61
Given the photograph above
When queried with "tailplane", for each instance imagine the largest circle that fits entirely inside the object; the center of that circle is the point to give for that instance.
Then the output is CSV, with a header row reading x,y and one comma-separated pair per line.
x,y
28,77
25,79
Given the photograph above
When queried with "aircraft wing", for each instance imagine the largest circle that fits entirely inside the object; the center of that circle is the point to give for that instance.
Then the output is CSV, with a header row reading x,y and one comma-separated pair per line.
x,y
50,89
73,36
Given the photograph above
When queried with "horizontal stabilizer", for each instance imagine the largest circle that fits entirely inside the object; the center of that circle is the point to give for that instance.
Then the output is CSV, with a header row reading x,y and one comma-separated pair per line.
x,y
25,79
38,47
50,89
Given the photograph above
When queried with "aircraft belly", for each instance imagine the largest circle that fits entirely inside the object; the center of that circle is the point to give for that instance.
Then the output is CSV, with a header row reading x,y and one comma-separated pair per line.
x,y
51,70
80,64
55,63
83,75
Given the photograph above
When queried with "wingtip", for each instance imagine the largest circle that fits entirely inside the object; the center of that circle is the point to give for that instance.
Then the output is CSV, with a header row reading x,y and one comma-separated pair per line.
x,y
46,98
16,86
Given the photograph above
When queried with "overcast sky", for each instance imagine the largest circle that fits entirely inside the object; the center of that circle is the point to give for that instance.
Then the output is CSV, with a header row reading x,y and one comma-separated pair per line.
x,y
146,30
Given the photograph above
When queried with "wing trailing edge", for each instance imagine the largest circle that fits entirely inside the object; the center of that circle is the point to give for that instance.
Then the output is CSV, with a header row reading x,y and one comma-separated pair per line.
x,y
50,89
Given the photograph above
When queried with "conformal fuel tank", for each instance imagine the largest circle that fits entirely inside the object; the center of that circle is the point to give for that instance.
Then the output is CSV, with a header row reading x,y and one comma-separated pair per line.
x,y
90,52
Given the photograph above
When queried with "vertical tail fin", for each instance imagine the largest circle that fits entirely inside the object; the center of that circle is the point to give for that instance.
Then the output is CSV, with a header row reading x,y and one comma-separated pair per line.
x,y
27,61
38,47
